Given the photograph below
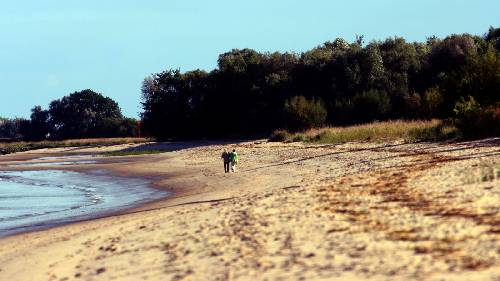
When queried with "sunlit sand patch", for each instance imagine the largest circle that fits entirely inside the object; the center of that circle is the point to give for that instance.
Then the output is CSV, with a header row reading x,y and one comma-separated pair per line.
x,y
449,224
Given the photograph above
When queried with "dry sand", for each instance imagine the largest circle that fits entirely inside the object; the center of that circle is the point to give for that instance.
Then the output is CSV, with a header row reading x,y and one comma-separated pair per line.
x,y
358,211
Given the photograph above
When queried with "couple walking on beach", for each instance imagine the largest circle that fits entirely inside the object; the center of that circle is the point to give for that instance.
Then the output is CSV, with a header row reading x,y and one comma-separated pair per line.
x,y
230,160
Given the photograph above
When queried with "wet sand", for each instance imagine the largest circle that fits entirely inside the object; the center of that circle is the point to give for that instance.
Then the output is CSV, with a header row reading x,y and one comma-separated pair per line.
x,y
358,211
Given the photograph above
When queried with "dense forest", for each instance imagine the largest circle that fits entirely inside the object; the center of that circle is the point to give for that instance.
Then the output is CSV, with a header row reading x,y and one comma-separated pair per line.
x,y
337,83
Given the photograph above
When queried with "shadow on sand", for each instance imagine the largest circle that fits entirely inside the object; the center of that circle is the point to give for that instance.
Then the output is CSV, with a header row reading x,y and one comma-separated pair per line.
x,y
179,145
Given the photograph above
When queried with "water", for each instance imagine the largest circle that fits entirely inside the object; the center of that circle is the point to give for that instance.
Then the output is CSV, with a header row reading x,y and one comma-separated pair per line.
x,y
31,200
67,157
62,163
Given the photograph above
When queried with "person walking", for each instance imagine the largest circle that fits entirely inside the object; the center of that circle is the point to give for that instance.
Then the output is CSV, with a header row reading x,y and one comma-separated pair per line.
x,y
234,160
226,157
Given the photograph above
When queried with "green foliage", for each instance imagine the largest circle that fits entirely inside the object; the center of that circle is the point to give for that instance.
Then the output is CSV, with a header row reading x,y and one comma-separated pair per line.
x,y
475,121
408,106
389,79
371,105
238,60
493,37
480,77
11,128
467,115
82,115
38,127
301,113
431,102
169,100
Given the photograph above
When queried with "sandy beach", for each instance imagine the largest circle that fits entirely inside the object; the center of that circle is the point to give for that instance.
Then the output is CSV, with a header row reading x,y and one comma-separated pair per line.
x,y
356,211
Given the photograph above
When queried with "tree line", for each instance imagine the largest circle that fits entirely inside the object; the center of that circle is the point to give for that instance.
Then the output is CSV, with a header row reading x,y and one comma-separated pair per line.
x,y
336,83
83,114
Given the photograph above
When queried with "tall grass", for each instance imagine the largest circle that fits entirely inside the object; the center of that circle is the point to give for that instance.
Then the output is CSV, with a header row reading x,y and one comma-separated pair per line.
x,y
6,148
408,131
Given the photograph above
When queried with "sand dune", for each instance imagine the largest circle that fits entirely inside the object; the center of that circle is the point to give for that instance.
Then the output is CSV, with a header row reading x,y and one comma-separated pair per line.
x,y
358,211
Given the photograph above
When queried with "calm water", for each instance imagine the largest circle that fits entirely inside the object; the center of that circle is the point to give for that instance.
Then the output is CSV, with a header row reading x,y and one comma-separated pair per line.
x,y
31,200
62,163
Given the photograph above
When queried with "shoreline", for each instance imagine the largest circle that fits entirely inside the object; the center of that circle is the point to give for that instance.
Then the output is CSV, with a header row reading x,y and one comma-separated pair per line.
x,y
357,211
175,196
139,192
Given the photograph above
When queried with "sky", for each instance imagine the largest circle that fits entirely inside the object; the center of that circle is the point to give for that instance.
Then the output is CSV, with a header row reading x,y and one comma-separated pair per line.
x,y
51,48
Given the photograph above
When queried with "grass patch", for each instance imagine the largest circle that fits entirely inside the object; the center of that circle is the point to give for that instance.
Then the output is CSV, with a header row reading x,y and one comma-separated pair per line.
x,y
6,148
131,152
408,131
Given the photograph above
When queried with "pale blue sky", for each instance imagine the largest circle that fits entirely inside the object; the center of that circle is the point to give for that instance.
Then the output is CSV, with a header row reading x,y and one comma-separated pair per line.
x,y
51,48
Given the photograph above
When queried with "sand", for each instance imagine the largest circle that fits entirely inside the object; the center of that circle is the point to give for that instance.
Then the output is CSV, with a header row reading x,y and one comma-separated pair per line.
x,y
357,211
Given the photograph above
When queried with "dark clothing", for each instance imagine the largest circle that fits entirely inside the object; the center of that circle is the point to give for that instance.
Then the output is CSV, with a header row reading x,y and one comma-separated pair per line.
x,y
226,156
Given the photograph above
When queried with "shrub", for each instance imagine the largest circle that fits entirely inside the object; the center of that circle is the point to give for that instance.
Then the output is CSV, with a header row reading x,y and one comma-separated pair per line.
x,y
431,101
279,136
467,115
301,113
406,106
490,120
371,105
474,121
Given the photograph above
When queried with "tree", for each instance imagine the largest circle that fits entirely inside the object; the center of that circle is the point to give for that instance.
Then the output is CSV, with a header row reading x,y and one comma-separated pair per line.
x,y
238,60
165,105
493,37
402,62
480,77
346,82
38,127
82,114
450,54
11,128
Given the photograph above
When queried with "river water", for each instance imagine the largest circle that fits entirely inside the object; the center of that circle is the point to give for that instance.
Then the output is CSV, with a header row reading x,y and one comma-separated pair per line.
x,y
31,200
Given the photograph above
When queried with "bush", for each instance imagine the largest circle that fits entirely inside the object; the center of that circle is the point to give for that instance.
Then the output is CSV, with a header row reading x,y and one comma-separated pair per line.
x,y
371,105
474,121
490,120
116,127
279,136
431,101
406,106
301,114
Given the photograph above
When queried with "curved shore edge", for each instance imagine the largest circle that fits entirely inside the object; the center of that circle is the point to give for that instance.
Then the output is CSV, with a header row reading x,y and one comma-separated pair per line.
x,y
357,211
36,200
